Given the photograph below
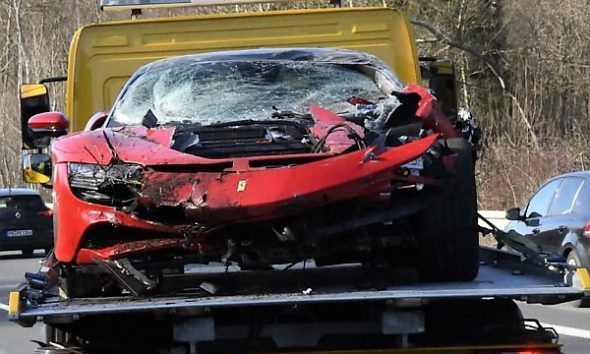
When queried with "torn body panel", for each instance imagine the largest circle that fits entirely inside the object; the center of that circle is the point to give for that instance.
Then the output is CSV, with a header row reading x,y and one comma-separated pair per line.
x,y
271,193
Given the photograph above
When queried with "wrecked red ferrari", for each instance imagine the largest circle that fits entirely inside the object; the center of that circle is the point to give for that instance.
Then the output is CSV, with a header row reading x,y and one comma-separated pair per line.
x,y
265,157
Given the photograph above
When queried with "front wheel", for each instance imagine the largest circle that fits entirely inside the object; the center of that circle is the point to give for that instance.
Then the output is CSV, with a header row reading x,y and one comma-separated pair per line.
x,y
448,242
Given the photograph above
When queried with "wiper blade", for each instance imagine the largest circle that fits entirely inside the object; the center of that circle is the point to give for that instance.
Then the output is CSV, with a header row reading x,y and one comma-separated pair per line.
x,y
232,123
289,114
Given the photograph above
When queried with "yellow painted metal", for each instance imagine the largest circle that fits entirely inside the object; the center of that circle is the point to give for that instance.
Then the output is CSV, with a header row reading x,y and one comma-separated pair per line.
x,y
14,303
32,176
584,277
194,3
32,90
103,56
31,172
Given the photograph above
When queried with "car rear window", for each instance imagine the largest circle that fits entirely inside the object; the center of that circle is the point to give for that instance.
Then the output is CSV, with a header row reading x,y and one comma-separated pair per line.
x,y
539,203
22,202
564,197
582,203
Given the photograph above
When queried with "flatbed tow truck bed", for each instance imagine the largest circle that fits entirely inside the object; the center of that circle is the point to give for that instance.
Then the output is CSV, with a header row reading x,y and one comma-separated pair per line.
x,y
501,275
306,309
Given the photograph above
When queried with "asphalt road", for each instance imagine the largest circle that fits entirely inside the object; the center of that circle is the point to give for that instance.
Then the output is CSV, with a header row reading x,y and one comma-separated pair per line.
x,y
571,322
13,338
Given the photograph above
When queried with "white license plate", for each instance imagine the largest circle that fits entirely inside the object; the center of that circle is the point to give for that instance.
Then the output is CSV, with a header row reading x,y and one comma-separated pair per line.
x,y
19,233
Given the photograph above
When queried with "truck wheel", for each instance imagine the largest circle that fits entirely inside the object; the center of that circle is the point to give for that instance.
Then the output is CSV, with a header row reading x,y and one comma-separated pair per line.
x,y
448,243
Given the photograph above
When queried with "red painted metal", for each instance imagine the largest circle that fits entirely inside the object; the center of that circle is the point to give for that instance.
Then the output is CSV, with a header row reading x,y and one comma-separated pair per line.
x,y
334,129
433,118
48,121
96,121
271,193
75,218
86,256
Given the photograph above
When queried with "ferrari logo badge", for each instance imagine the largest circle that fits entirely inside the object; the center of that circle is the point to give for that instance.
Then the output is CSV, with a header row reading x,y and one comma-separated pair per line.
x,y
242,185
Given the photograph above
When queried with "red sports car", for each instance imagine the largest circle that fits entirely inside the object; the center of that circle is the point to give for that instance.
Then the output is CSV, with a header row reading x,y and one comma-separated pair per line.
x,y
264,157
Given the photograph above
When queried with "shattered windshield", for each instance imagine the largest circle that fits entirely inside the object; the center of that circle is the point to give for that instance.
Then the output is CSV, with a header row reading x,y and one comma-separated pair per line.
x,y
216,92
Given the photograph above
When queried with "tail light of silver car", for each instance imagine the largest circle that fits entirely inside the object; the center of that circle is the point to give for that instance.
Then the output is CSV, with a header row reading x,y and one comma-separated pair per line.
x,y
587,229
47,212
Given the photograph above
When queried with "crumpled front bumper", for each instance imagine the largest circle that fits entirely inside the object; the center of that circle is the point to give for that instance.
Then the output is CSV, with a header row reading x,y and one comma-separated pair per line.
x,y
222,197
218,198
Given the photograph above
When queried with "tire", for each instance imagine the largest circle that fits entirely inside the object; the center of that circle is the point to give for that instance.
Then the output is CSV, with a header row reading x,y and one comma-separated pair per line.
x,y
448,242
28,252
573,259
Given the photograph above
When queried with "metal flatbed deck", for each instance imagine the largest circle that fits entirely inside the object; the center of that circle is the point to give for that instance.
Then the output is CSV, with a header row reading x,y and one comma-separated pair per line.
x,y
501,275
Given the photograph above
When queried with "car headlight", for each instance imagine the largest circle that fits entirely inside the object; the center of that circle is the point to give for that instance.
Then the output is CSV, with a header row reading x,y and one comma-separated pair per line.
x,y
115,184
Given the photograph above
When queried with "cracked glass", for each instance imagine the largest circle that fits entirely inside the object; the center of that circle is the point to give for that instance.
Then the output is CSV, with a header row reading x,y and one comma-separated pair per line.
x,y
217,92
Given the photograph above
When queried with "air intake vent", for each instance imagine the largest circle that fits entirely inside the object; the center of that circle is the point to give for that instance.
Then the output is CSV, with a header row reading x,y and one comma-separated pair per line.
x,y
217,135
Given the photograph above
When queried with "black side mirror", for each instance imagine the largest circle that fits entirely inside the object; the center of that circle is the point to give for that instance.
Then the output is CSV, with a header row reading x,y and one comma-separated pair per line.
x,y
513,214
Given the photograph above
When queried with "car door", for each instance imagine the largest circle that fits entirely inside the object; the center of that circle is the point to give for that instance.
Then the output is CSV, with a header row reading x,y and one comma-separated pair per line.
x,y
560,218
577,236
537,207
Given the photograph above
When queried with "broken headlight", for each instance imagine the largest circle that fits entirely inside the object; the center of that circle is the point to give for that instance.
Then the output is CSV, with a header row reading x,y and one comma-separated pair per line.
x,y
114,185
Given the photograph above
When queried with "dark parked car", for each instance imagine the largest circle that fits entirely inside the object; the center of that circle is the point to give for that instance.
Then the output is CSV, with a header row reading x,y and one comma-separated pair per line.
x,y
25,221
557,217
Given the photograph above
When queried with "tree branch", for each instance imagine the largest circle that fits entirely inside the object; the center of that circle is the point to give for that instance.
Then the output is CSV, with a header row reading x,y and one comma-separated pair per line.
x,y
455,44
491,65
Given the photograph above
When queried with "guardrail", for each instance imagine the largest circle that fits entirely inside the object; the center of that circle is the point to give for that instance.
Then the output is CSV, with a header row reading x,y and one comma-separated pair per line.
x,y
496,217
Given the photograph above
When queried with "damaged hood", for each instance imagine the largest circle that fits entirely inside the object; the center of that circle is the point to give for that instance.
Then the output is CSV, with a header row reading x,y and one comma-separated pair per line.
x,y
172,145
131,144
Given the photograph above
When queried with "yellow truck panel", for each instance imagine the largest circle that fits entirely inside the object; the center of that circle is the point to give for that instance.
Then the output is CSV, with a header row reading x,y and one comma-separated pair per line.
x,y
103,56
